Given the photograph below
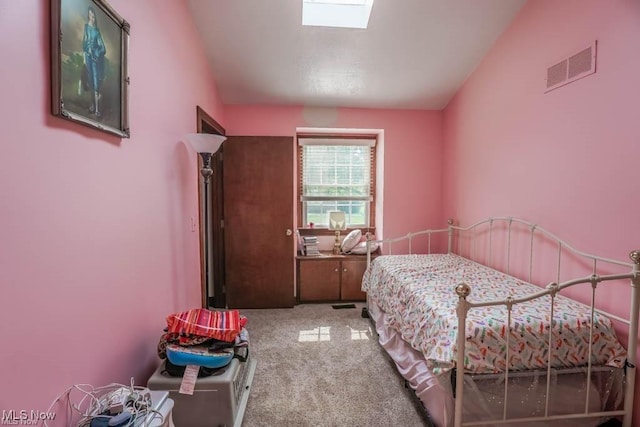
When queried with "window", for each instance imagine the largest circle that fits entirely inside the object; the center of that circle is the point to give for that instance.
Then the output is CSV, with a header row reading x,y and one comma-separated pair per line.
x,y
337,13
337,174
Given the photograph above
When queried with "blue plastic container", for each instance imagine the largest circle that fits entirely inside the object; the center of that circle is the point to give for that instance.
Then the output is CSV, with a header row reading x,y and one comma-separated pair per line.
x,y
199,356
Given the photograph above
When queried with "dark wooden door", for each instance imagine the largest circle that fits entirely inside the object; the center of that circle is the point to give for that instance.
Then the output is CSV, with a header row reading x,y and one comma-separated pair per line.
x,y
258,221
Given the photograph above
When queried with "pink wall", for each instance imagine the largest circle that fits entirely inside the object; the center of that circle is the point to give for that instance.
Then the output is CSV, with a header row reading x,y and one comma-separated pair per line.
x,y
96,246
412,153
567,159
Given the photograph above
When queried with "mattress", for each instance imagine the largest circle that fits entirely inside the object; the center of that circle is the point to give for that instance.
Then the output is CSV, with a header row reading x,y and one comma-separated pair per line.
x,y
416,292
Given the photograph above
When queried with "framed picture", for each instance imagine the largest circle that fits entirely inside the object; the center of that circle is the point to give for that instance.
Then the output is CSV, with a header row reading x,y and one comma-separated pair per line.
x,y
89,80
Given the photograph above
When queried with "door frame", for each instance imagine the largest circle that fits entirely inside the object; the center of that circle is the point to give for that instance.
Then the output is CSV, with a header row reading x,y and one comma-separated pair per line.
x,y
207,124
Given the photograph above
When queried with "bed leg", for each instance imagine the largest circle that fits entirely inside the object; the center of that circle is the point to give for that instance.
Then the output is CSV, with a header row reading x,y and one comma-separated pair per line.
x,y
463,290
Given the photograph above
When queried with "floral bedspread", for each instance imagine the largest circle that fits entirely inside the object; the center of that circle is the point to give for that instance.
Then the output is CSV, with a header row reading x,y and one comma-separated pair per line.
x,y
418,294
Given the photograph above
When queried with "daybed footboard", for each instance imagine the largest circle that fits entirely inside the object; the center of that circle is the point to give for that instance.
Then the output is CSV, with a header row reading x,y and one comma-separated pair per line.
x,y
463,291
484,393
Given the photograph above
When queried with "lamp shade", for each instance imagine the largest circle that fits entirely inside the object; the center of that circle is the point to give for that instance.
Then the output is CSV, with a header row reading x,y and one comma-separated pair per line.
x,y
337,220
204,142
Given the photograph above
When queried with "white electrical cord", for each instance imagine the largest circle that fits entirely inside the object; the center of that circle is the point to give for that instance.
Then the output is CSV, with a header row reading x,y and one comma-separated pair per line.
x,y
98,400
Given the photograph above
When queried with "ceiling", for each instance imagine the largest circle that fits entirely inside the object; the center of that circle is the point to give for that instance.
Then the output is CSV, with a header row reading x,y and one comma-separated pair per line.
x,y
414,55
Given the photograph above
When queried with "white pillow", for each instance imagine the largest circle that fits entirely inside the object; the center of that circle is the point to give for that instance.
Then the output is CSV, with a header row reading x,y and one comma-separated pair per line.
x,y
361,248
351,240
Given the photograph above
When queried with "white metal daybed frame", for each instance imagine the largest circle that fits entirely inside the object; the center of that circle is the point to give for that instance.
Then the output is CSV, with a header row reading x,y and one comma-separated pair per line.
x,y
463,291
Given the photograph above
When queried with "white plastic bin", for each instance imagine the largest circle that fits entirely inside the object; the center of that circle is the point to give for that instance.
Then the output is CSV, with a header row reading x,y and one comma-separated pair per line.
x,y
218,400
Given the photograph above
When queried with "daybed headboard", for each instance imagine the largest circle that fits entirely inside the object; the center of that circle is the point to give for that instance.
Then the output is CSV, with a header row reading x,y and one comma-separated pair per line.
x,y
512,245
517,247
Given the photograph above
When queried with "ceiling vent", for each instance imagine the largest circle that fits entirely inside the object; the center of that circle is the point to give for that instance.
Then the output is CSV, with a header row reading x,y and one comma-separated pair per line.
x,y
572,68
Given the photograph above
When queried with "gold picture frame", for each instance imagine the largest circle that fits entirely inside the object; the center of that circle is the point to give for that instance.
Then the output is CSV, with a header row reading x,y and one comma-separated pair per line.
x,y
89,79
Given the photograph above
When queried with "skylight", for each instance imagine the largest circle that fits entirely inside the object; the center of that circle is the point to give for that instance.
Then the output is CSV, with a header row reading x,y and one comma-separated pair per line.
x,y
336,13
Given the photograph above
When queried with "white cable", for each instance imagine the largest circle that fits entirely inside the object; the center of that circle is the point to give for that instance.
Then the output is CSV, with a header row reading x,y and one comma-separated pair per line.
x,y
99,399
67,393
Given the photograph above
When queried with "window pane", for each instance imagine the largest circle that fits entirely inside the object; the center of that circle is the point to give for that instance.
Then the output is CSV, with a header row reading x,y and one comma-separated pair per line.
x,y
356,212
336,171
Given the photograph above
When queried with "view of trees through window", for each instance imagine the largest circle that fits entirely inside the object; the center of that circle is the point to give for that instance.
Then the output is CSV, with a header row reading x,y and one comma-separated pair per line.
x,y
336,177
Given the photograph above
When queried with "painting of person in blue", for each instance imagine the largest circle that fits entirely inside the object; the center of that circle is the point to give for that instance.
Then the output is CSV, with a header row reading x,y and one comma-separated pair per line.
x,y
94,52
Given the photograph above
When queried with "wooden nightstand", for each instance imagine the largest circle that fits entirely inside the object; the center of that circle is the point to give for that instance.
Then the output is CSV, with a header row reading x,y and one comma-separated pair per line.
x,y
330,277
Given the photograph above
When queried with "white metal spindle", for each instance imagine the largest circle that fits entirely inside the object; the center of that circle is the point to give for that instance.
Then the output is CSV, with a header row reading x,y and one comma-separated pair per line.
x,y
559,256
473,249
509,246
491,242
554,287
533,229
589,362
449,235
509,304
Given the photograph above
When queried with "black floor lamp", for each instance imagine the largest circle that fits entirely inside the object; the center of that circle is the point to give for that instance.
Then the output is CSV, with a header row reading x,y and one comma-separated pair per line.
x,y
206,144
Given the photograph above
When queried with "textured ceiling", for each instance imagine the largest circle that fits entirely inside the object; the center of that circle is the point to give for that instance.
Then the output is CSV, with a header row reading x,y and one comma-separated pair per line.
x,y
415,53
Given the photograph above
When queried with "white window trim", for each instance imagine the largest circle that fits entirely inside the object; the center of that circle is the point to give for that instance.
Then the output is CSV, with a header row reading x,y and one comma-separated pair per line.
x,y
379,137
365,142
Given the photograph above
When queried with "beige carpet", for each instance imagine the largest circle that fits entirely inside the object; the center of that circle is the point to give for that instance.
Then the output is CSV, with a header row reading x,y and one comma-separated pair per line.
x,y
318,366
